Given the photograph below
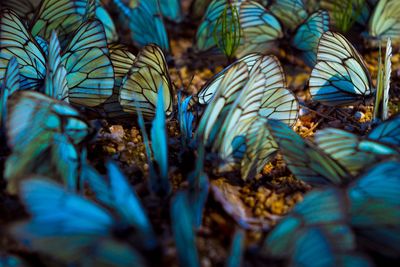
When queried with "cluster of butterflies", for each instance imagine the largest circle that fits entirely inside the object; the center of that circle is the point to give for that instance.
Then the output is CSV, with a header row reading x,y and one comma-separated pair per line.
x,y
56,56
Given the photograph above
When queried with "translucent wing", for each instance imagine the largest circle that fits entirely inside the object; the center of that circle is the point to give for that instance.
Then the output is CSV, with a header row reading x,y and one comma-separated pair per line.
x,y
122,61
23,8
385,21
208,90
148,75
351,151
278,103
147,26
239,118
340,76
305,160
259,28
216,111
320,208
90,75
172,10
205,33
9,86
388,132
308,34
15,41
56,78
290,12
260,147
64,16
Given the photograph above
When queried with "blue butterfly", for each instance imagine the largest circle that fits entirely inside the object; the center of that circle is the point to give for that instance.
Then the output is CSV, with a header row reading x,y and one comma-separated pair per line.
x,y
79,226
340,76
235,258
171,9
9,86
337,157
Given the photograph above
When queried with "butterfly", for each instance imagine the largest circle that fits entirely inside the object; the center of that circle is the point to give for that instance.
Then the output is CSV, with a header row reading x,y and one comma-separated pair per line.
x,y
146,77
340,76
24,8
367,207
171,9
290,13
90,75
81,226
147,25
9,86
308,33
337,157
241,97
42,134
235,257
258,27
385,21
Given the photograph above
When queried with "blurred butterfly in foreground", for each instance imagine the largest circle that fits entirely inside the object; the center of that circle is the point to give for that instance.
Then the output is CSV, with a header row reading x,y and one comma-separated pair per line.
x,y
338,156
340,76
83,228
42,130
258,27
89,72
233,124
366,211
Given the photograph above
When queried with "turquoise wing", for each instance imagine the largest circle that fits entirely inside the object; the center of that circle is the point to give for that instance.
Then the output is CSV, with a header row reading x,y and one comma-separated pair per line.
x,y
290,12
259,29
235,258
308,34
139,88
207,92
109,26
15,41
56,85
340,76
64,16
385,21
147,25
9,86
260,148
90,73
387,132
304,159
352,151
205,32
171,9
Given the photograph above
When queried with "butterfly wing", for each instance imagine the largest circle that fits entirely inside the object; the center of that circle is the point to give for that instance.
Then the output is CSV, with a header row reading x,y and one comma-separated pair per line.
x,y
148,75
9,86
172,10
308,34
388,132
147,26
56,78
64,16
340,76
111,31
354,153
207,92
305,160
290,12
259,28
385,21
90,75
15,41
